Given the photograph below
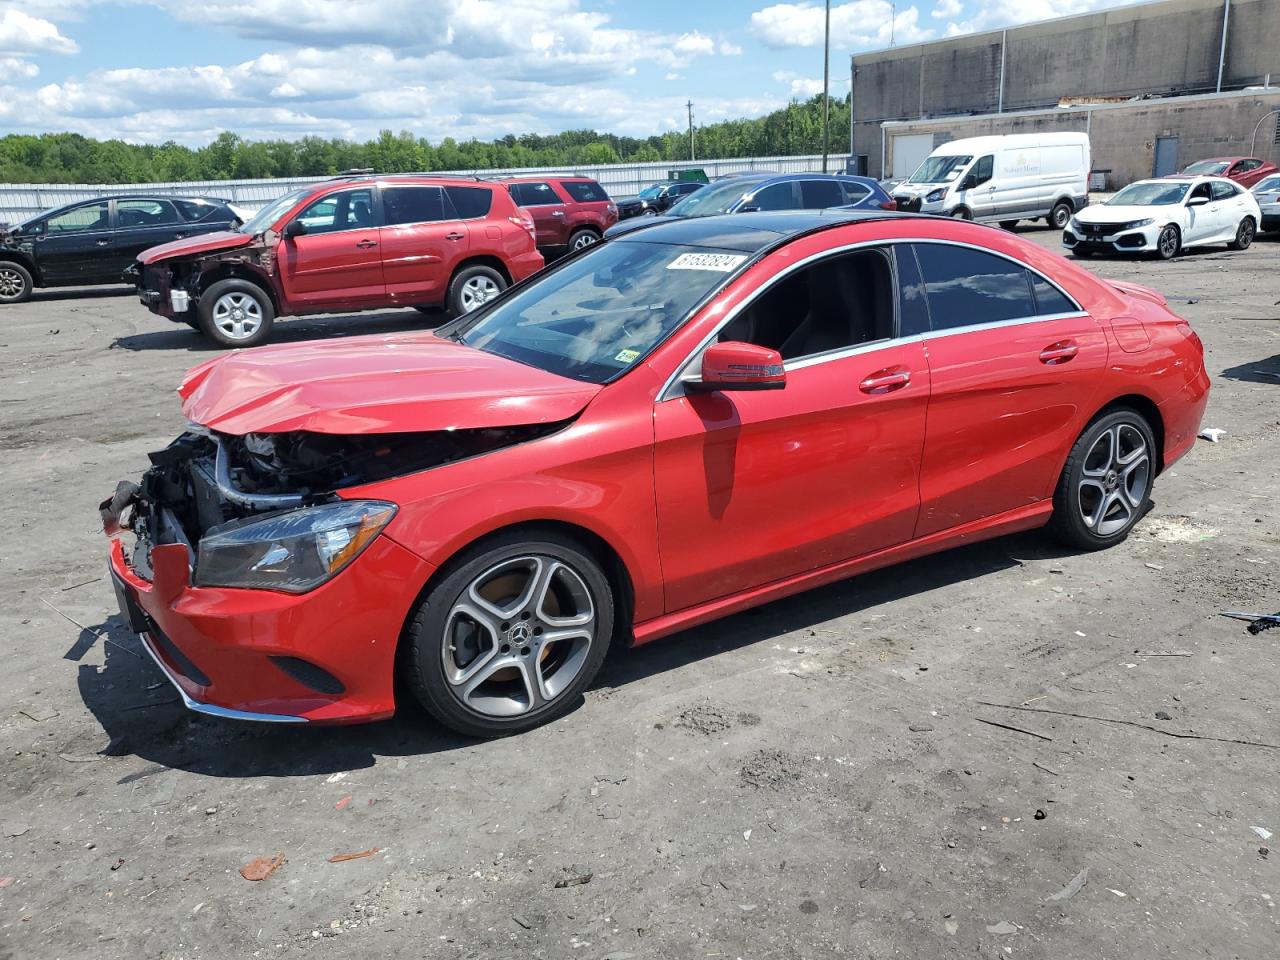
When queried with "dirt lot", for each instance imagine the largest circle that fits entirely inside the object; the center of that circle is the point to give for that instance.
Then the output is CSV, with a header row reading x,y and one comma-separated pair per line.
x,y
808,780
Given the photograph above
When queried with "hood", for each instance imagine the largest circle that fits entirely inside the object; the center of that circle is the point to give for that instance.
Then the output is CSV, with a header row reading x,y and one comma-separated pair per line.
x,y
201,243
1104,213
382,384
636,223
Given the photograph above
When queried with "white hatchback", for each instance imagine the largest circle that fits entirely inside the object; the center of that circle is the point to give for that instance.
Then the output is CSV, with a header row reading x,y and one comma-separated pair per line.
x,y
1267,193
1164,216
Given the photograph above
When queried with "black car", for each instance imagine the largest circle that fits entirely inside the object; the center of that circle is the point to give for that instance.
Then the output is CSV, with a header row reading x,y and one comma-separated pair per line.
x,y
657,198
91,242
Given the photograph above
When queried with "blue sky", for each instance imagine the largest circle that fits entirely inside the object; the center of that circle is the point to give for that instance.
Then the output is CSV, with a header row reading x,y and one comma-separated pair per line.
x,y
153,70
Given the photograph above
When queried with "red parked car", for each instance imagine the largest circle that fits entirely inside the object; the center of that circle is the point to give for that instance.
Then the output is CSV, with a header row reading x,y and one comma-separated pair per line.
x,y
353,243
1245,171
570,212
676,425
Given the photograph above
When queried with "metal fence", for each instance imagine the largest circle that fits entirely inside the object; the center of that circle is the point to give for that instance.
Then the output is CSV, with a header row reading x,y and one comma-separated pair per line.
x,y
19,200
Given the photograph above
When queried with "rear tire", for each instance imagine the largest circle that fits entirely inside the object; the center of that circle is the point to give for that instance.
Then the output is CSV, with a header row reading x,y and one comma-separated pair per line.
x,y
487,669
15,282
1060,215
472,287
581,238
1244,235
1105,486
235,313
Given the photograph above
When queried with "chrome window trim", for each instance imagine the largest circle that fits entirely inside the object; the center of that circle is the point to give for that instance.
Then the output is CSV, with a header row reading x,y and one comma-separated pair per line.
x,y
681,374
326,233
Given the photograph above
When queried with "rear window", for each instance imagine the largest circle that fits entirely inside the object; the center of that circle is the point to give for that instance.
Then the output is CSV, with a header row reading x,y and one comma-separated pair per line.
x,y
193,210
534,194
470,202
968,287
584,191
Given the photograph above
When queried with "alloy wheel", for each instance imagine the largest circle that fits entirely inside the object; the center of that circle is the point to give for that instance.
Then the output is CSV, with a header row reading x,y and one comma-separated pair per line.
x,y
1115,480
1168,242
518,636
584,239
478,291
238,315
1244,235
11,283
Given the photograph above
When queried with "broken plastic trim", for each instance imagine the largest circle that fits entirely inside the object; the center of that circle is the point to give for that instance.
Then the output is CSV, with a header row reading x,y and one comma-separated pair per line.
x,y
256,501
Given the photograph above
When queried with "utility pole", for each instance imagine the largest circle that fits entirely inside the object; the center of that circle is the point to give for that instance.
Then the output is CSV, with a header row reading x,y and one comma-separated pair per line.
x,y
893,21
826,92
689,105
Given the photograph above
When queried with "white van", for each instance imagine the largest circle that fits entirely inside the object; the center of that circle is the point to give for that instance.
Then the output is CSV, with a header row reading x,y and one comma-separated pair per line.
x,y
1005,179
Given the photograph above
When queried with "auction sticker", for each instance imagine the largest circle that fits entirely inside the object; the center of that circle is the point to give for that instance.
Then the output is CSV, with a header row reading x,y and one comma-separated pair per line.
x,y
626,356
718,262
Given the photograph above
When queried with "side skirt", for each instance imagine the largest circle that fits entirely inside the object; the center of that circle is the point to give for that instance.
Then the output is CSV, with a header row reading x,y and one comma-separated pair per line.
x,y
1024,518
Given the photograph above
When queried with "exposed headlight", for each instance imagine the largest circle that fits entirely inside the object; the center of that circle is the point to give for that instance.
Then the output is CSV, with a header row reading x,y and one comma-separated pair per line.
x,y
1135,224
292,552
935,195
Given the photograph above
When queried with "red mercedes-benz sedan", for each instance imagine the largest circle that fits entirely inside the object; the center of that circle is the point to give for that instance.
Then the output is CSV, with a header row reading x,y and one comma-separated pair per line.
x,y
668,427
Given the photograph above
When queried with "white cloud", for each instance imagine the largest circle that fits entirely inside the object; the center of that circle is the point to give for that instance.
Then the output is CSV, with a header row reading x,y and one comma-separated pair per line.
x,y
800,86
21,33
14,67
859,23
1003,13
730,49
694,43
947,9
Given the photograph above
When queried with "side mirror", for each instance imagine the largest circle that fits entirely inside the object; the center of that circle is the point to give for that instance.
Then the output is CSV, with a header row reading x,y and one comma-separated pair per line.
x,y
739,366
1197,201
295,228
749,208
969,182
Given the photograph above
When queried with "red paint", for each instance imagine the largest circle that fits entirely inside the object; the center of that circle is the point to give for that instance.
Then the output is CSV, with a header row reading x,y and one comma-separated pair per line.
x,y
713,501
1236,169
204,243
555,223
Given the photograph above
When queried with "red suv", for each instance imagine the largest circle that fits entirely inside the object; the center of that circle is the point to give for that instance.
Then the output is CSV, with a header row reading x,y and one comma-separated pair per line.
x,y
570,212
348,244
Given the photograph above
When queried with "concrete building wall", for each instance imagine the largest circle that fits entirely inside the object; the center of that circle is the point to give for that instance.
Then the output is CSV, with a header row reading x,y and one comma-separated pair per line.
x,y
1153,49
1124,136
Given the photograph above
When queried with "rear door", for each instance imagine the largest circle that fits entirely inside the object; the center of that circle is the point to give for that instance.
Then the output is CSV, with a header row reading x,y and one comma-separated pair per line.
x,y
775,196
754,487
143,222
1012,360
547,209
423,238
75,246
336,263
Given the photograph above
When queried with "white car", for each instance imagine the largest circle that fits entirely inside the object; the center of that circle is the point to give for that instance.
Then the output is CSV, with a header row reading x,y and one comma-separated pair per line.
x,y
1164,216
1267,193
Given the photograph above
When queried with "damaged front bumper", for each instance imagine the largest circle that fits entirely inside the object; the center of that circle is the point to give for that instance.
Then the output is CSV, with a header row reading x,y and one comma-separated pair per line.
x,y
157,294
322,656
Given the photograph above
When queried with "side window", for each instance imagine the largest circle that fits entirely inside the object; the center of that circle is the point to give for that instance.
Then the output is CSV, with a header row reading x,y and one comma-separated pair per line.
x,y
193,210
470,203
413,205
1049,299
1224,190
348,210
968,286
817,194
1244,166
92,216
855,193
840,302
1202,190
584,191
913,305
145,213
534,194
983,169
780,196
684,189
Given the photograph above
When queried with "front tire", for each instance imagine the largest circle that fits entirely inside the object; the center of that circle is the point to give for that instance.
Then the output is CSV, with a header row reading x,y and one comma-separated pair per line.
x,y
473,287
962,213
1010,225
1105,486
1060,215
511,636
235,313
1169,242
15,282
1244,235
582,238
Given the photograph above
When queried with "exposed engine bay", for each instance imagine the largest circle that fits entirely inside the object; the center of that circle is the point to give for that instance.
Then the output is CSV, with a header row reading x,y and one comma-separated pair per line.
x,y
207,482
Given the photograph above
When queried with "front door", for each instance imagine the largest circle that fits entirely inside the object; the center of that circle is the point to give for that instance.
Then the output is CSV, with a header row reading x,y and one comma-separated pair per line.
x,y
1011,360
757,487
981,196
421,238
547,209
75,246
335,263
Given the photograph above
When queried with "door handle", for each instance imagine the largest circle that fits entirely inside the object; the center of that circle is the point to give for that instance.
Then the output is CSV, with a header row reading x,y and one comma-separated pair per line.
x,y
454,236
102,243
1059,352
366,244
179,235
557,213
886,381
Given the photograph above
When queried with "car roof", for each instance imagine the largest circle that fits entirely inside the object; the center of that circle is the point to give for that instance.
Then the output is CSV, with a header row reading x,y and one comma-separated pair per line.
x,y
127,196
751,232
535,178
1218,160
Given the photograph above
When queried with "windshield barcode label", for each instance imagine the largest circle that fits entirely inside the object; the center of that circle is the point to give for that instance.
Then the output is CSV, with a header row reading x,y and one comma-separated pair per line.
x,y
719,262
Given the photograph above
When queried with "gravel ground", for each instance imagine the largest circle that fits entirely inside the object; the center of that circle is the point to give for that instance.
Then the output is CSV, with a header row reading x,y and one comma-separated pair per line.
x,y
836,774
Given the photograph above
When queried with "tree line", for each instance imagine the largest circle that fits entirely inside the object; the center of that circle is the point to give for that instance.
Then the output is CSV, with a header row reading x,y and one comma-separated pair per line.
x,y
72,158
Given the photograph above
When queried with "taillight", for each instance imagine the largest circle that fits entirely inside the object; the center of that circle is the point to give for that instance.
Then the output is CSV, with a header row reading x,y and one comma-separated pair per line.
x,y
527,223
1184,328
889,205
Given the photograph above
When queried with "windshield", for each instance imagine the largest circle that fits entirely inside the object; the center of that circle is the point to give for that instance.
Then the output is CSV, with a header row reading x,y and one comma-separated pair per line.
x,y
602,312
1268,185
272,212
717,198
939,170
1150,194
1207,168
649,192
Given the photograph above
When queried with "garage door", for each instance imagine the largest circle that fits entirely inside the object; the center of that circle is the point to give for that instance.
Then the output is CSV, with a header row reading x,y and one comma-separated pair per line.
x,y
909,152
